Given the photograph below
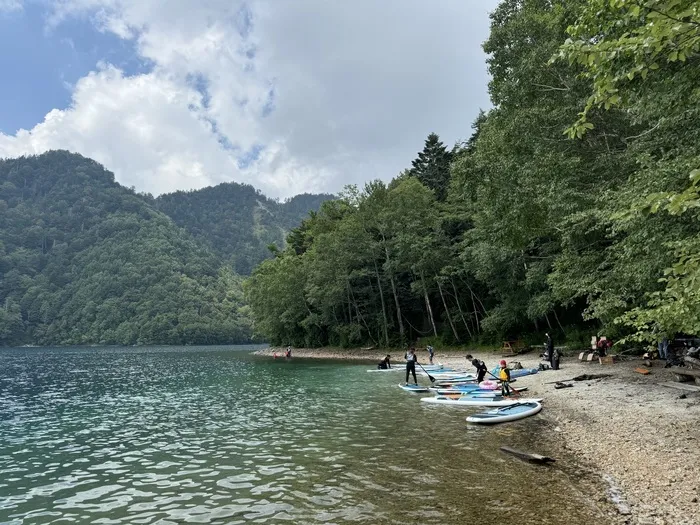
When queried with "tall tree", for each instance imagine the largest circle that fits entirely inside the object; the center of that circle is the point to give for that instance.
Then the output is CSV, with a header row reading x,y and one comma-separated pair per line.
x,y
432,167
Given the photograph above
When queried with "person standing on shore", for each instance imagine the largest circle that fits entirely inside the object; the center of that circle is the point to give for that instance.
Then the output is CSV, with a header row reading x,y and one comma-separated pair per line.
x,y
411,360
504,376
663,348
549,344
288,353
431,353
480,366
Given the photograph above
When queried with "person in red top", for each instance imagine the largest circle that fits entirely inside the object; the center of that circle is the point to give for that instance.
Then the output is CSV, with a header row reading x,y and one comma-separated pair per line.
x,y
603,345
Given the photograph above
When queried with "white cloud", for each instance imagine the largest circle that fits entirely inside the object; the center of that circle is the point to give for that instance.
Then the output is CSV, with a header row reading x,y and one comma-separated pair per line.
x,y
10,5
355,86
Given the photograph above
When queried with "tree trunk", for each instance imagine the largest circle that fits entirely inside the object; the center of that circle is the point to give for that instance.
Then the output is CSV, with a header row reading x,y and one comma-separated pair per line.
x,y
427,304
548,323
381,298
459,307
554,311
476,313
447,311
393,290
362,318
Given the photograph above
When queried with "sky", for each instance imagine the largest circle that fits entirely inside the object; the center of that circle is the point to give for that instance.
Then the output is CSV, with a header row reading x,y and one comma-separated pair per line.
x,y
290,96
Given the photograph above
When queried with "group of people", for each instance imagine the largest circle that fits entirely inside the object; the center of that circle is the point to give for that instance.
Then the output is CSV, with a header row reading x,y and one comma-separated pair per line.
x,y
287,353
482,370
411,360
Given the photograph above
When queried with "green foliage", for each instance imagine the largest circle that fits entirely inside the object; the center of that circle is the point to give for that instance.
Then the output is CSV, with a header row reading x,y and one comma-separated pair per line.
x,y
432,167
538,225
620,42
85,261
236,221
643,57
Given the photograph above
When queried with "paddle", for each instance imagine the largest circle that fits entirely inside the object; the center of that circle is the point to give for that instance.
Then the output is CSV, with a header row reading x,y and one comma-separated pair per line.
x,y
432,379
511,406
516,393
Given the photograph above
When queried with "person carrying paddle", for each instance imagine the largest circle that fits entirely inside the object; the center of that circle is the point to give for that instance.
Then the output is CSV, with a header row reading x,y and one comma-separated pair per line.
x,y
431,353
385,363
480,366
504,376
411,360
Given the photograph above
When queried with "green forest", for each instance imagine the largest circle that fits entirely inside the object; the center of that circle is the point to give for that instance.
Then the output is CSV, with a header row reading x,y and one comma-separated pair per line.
x,y
84,260
572,208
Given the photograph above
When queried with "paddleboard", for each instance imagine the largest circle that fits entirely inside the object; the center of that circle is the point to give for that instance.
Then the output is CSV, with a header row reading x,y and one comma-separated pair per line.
x,y
517,373
509,413
463,390
468,401
413,388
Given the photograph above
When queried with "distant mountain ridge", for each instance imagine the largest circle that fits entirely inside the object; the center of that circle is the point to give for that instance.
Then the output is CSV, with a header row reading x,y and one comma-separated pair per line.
x,y
84,260
236,221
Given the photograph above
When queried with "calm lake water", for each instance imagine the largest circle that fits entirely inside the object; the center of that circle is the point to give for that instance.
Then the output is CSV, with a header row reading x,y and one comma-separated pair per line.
x,y
216,435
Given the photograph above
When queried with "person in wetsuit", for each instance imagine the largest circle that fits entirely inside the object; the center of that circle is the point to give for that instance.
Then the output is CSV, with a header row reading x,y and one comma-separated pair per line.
x,y
411,360
385,363
480,366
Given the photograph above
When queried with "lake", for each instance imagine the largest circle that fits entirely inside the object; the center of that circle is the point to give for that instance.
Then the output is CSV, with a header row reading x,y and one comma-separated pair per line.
x,y
216,435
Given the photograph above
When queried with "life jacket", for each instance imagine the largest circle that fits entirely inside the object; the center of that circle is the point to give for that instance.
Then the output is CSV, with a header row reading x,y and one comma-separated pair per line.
x,y
503,375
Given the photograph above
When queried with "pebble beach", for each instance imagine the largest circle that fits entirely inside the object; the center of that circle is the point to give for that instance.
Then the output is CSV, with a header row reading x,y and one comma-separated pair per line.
x,y
639,436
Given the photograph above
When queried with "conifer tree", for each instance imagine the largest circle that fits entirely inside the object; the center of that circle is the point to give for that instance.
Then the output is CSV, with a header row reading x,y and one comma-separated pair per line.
x,y
432,167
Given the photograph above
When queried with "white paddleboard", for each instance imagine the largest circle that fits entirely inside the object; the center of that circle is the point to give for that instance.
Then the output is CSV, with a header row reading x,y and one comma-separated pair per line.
x,y
468,401
510,413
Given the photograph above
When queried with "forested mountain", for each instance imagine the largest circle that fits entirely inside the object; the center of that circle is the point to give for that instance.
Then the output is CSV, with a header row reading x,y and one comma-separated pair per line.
x,y
572,208
84,260
236,221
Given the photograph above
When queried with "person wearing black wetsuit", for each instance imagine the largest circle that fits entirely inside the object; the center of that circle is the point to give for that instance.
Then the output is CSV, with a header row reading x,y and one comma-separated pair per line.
x,y
480,366
550,350
385,363
411,360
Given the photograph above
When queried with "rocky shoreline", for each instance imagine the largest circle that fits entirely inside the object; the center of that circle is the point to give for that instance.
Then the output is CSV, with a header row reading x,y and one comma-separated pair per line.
x,y
637,434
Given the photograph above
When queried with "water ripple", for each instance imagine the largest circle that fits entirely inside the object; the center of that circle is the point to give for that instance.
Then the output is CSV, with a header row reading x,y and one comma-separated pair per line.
x,y
210,435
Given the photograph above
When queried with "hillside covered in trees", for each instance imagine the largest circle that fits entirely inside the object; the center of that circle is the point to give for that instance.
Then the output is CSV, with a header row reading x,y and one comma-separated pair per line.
x,y
572,207
236,221
84,260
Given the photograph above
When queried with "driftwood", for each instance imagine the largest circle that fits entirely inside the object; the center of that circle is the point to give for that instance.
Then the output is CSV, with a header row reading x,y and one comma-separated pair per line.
x,y
681,386
582,377
692,361
685,371
532,458
562,385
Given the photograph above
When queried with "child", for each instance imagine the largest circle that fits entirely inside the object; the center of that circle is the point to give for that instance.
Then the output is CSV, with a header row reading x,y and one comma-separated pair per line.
x,y
504,376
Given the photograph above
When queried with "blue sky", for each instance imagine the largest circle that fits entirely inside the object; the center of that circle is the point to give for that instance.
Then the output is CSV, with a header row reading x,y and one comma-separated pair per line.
x,y
44,62
291,97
